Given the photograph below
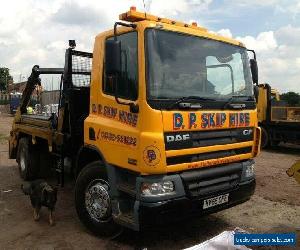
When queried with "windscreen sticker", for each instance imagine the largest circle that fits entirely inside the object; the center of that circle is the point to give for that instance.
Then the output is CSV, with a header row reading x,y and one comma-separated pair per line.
x,y
210,120
113,113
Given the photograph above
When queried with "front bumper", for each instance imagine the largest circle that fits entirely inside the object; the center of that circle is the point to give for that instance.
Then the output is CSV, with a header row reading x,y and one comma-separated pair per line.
x,y
159,213
192,188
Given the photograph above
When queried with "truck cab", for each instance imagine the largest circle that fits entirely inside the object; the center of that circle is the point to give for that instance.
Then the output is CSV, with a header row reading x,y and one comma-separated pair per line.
x,y
168,128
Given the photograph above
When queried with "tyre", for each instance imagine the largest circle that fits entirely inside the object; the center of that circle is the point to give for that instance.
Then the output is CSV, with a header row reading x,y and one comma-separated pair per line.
x,y
28,159
45,161
265,138
92,200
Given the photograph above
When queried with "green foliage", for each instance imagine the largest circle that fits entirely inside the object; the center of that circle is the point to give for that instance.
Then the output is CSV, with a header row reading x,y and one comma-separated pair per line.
x,y
292,98
4,102
5,77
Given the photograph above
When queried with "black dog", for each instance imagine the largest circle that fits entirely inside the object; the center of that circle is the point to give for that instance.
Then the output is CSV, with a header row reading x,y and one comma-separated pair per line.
x,y
41,194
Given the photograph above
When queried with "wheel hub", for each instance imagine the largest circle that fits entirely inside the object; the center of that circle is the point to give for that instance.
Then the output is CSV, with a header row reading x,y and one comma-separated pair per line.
x,y
22,161
97,200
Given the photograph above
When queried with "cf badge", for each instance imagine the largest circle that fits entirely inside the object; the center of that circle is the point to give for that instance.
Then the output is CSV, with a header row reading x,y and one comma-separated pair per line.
x,y
247,131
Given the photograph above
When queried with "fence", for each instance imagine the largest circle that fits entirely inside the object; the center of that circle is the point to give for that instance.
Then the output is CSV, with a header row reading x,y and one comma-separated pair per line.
x,y
4,99
4,108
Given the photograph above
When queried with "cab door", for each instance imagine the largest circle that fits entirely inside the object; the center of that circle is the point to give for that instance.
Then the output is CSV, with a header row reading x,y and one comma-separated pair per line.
x,y
116,128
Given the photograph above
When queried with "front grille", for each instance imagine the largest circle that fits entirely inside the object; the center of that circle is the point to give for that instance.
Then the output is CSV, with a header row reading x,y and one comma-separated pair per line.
x,y
199,139
207,156
195,139
213,180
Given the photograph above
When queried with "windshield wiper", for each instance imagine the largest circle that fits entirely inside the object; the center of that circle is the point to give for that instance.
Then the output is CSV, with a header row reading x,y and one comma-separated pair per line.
x,y
237,105
182,104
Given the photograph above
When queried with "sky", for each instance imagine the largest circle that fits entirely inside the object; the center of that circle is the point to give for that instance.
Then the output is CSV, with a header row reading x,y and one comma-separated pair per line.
x,y
37,31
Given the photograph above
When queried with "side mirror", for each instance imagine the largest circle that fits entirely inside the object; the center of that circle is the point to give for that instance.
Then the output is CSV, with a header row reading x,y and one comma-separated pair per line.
x,y
254,70
112,57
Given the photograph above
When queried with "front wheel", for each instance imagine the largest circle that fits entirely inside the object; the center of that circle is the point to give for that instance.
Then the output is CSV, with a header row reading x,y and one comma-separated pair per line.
x,y
92,200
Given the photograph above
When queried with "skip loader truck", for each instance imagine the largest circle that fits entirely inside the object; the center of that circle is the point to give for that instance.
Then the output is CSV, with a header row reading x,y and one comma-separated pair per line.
x,y
278,121
158,124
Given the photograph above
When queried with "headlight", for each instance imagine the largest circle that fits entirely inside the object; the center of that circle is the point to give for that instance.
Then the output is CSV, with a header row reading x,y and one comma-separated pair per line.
x,y
157,188
249,172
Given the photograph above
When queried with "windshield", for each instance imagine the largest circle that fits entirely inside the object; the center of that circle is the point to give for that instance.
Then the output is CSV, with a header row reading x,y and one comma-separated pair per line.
x,y
181,65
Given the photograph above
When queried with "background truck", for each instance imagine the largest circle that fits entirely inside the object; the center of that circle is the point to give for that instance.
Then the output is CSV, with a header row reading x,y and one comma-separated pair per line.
x,y
158,124
278,122
14,101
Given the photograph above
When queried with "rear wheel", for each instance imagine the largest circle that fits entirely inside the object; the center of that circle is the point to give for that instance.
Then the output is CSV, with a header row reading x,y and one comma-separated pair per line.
x,y
92,200
28,159
265,138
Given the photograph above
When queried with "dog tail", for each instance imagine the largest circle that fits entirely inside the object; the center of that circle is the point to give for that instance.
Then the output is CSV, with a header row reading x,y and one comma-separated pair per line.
x,y
26,188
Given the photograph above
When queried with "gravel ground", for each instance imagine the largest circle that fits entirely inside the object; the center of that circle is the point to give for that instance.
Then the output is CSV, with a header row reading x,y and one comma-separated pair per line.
x,y
275,207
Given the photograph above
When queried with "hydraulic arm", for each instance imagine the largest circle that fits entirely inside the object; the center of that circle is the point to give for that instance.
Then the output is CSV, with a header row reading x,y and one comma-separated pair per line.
x,y
32,81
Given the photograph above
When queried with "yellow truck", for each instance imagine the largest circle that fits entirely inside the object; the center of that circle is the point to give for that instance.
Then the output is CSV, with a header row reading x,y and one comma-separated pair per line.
x,y
158,124
278,121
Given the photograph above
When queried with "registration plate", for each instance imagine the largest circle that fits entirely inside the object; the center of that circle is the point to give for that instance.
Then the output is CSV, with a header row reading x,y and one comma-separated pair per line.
x,y
218,200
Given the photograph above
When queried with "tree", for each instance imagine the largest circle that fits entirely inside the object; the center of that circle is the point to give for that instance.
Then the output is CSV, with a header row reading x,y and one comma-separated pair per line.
x,y
5,77
292,98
